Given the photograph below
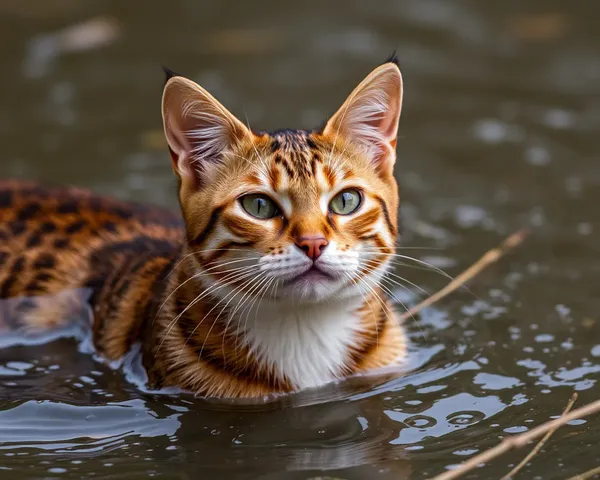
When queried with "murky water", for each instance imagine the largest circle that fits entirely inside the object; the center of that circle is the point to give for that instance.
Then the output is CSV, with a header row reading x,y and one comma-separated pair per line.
x,y
499,131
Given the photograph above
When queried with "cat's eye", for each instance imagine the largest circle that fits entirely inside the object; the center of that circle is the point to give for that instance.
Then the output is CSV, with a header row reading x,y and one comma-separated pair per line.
x,y
259,206
346,202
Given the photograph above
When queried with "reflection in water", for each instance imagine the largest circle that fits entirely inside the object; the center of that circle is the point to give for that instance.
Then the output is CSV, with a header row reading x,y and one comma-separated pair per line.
x,y
353,424
61,427
60,400
499,130
68,404
344,425
442,417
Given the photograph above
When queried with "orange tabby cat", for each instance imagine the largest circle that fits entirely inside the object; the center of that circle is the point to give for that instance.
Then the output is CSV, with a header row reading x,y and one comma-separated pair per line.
x,y
270,284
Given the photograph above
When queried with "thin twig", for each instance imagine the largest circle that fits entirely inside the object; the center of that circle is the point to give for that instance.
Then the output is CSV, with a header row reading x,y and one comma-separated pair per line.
x,y
489,257
541,443
586,475
518,441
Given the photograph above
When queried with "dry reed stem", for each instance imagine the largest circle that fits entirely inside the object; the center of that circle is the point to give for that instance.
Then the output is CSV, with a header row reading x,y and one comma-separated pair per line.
x,y
540,444
586,475
488,258
518,441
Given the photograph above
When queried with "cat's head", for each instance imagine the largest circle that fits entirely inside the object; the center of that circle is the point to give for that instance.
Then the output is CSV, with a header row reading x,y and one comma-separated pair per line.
x,y
308,215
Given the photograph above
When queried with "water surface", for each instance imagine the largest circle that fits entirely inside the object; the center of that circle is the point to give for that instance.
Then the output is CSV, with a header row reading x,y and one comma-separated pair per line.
x,y
499,131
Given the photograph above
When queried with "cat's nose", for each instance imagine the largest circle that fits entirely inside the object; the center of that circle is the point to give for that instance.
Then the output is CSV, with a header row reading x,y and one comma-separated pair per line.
x,y
313,247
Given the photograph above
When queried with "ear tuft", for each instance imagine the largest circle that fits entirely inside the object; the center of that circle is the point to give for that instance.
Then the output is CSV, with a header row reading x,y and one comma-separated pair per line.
x,y
393,58
169,74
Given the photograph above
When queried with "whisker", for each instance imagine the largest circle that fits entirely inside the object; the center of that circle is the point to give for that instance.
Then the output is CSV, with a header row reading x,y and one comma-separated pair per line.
x,y
233,293
398,247
373,291
421,262
264,284
204,293
229,279
366,300
247,295
209,250
400,264
198,275
255,320
382,303
208,313
371,264
390,293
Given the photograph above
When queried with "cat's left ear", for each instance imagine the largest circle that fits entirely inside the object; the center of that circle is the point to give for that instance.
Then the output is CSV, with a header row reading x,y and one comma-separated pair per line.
x,y
369,116
199,130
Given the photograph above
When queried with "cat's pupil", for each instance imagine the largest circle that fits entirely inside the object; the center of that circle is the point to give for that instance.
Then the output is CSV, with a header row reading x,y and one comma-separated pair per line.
x,y
346,199
261,205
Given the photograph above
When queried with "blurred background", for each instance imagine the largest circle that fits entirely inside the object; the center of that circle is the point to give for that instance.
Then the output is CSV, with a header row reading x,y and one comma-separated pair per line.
x,y
499,131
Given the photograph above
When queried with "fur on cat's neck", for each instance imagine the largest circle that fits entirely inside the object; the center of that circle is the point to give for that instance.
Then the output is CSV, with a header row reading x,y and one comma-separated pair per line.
x,y
309,344
275,347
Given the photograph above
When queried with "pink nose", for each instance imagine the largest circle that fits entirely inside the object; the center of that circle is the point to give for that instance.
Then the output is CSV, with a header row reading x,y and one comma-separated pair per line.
x,y
312,246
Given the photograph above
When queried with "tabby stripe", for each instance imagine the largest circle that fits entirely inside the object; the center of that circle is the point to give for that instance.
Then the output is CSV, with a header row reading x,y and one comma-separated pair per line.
x,y
213,357
364,221
366,348
222,250
153,302
331,222
329,175
378,241
11,279
386,215
274,178
313,164
288,169
284,225
201,238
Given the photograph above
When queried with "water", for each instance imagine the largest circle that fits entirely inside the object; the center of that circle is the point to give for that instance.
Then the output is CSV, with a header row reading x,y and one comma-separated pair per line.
x,y
499,131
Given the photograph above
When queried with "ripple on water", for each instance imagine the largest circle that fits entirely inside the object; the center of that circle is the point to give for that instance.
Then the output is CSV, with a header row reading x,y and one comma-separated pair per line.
x,y
61,427
84,406
442,417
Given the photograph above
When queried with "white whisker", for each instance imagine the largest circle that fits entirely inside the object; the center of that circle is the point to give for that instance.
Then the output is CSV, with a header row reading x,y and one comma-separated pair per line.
x,y
236,276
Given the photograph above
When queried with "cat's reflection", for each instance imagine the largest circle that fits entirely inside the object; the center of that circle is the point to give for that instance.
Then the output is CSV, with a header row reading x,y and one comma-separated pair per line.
x,y
302,433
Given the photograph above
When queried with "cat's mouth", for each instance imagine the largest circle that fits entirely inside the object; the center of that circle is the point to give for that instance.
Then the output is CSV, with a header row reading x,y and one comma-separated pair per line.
x,y
314,273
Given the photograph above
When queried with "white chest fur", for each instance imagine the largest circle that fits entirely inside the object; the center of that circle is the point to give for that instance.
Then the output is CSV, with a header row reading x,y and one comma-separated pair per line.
x,y
306,344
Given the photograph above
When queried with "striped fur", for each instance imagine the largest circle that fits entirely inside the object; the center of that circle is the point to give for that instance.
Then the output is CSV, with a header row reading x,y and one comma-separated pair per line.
x,y
222,303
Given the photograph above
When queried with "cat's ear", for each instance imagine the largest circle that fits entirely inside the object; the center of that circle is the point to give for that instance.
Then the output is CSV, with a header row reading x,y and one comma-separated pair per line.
x,y
369,116
199,130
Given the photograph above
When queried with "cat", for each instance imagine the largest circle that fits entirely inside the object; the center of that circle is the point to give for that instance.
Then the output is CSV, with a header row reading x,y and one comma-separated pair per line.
x,y
269,281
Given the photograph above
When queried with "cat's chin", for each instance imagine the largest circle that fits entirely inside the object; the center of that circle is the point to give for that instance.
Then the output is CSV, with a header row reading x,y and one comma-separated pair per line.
x,y
312,286
312,275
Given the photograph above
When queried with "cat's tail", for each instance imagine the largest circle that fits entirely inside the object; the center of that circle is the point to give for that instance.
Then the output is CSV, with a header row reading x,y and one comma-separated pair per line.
x,y
33,319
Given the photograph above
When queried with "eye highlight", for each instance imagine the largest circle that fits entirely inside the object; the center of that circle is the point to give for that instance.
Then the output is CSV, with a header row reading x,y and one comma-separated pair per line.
x,y
346,202
259,206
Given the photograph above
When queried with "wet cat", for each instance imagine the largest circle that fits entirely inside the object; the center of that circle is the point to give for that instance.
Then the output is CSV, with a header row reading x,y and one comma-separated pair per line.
x,y
269,281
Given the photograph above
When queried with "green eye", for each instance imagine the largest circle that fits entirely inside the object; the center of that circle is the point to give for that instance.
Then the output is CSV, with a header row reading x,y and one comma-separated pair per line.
x,y
259,206
346,202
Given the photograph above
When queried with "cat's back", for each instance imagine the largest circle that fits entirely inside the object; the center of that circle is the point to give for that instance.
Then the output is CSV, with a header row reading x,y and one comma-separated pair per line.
x,y
53,237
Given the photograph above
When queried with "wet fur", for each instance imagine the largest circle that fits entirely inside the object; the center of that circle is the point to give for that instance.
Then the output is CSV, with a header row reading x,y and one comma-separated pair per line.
x,y
145,267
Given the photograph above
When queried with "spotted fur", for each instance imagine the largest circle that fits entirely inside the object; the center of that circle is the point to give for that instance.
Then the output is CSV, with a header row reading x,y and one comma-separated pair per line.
x,y
222,303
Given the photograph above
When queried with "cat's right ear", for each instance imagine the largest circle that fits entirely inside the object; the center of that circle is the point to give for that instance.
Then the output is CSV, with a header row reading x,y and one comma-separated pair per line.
x,y
199,130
